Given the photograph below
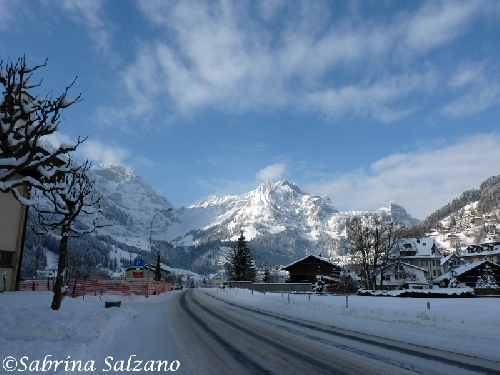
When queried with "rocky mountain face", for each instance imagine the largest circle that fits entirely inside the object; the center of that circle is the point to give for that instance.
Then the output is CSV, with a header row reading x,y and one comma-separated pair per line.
x,y
281,222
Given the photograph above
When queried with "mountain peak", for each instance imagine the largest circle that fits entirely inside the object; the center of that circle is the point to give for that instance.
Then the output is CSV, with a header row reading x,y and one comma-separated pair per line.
x,y
115,172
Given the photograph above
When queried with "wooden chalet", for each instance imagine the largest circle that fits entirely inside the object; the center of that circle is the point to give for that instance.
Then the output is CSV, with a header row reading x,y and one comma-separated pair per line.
x,y
468,274
306,270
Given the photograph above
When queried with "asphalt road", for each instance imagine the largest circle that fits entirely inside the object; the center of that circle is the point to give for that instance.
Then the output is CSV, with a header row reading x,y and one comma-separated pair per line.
x,y
220,337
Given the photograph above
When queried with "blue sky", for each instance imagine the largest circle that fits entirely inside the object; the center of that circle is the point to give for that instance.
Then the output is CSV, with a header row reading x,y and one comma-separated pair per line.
x,y
363,101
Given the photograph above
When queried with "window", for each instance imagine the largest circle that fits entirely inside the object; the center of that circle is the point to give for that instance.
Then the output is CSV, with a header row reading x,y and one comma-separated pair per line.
x,y
434,272
6,258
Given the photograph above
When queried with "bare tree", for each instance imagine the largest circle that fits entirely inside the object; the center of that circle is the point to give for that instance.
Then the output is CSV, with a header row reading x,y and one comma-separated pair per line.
x,y
372,242
25,160
69,196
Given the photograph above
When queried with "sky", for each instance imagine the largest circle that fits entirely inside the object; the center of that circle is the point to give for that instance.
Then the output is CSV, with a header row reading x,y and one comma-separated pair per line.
x,y
363,101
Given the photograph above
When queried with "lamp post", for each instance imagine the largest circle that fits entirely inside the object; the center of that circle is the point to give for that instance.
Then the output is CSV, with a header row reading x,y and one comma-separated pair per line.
x,y
150,243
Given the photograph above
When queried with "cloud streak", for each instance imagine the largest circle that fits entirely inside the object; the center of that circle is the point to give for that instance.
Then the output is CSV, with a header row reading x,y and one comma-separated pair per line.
x,y
422,181
225,56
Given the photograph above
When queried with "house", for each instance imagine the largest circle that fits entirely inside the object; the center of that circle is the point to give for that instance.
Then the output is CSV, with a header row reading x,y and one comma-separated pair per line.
x,y
217,280
483,251
133,273
12,224
468,274
421,252
451,261
306,270
402,275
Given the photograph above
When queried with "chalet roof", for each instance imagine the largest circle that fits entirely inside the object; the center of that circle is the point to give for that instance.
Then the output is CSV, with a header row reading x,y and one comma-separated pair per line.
x,y
325,260
424,247
463,269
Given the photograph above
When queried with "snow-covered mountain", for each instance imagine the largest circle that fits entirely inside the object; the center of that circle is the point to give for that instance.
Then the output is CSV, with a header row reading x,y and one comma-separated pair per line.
x,y
130,203
281,221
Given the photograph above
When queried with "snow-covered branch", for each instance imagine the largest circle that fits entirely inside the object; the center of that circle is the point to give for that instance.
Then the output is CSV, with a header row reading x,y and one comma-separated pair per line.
x,y
25,159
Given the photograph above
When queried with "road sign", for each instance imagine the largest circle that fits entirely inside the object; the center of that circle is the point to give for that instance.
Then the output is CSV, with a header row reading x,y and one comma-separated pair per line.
x,y
138,262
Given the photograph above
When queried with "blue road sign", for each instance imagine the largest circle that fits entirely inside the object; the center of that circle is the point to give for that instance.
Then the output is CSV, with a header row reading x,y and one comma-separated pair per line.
x,y
138,262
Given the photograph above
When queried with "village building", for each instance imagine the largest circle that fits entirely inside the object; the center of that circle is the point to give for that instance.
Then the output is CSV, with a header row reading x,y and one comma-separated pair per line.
x,y
217,280
484,251
307,269
134,273
421,252
451,261
12,224
468,274
402,275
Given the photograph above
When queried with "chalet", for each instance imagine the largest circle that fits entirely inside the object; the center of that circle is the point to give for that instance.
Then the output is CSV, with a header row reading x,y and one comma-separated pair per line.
x,y
484,251
468,274
306,270
421,252
451,261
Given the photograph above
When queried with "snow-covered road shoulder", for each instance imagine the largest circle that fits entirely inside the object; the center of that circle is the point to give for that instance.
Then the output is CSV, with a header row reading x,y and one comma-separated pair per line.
x,y
31,328
463,325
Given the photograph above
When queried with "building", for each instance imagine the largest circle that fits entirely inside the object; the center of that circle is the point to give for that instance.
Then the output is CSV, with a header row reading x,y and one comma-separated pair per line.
x,y
468,274
13,217
131,272
421,252
451,261
484,251
402,275
217,280
306,270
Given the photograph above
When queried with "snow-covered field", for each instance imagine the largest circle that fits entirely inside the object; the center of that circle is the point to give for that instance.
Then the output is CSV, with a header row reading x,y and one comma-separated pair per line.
x,y
82,328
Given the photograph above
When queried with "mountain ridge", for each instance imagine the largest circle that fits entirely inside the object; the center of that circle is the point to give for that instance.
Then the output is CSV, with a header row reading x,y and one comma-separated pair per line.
x,y
279,219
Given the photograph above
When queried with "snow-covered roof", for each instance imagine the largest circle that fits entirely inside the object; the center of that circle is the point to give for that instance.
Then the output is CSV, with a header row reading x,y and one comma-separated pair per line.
x,y
424,247
460,270
314,256
485,248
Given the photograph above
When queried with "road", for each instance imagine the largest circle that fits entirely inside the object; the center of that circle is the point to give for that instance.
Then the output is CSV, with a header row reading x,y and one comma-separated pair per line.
x,y
221,337
202,333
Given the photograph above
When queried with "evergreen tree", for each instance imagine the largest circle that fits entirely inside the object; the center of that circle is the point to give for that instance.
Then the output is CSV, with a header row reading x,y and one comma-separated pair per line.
x,y
320,285
267,274
240,263
488,279
453,283
157,274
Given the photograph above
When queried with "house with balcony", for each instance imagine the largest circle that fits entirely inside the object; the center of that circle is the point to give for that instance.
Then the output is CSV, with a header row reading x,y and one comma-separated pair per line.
x,y
421,252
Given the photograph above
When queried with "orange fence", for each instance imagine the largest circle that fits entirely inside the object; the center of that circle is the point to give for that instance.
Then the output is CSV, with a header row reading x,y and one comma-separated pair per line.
x,y
96,286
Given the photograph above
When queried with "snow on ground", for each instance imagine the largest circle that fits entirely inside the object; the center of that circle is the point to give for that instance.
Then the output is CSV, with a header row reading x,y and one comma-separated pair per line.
x,y
463,325
82,328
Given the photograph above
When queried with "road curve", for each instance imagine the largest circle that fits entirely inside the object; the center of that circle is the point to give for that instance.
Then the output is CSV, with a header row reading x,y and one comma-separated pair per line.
x,y
225,338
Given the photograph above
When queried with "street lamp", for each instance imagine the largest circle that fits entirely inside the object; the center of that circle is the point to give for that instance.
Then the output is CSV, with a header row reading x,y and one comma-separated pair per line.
x,y
150,246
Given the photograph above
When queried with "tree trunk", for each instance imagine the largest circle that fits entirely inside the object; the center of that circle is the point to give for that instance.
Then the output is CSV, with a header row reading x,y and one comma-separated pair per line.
x,y
61,267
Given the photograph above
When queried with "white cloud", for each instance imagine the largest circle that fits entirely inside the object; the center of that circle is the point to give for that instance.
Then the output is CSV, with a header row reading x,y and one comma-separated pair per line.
x,y
421,181
95,151
271,173
227,56
479,89
99,152
439,22
90,15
